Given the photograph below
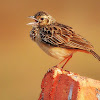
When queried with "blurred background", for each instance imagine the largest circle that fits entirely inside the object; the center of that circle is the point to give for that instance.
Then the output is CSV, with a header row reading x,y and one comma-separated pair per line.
x,y
22,63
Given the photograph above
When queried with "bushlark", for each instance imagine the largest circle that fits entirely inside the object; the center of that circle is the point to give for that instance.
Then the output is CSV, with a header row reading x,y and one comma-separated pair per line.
x,y
58,40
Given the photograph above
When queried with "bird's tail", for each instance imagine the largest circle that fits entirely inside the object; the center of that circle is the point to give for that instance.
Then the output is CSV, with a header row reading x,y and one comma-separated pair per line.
x,y
95,54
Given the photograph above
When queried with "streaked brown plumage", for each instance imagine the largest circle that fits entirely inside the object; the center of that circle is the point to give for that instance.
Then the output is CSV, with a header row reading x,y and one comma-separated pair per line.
x,y
58,40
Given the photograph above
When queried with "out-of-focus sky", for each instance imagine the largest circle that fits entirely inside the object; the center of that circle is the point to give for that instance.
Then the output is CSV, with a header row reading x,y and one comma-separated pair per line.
x,y
22,63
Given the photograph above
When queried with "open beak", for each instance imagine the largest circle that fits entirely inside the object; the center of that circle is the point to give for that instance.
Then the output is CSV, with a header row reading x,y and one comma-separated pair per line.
x,y
33,23
32,17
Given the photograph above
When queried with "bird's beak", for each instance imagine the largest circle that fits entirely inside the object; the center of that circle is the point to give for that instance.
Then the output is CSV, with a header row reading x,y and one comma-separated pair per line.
x,y
32,17
33,23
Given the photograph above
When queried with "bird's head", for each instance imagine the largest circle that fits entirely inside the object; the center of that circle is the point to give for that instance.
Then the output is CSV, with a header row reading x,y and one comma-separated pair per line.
x,y
41,19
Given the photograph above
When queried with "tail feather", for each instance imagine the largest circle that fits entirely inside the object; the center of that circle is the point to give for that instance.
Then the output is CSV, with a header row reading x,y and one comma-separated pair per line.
x,y
95,54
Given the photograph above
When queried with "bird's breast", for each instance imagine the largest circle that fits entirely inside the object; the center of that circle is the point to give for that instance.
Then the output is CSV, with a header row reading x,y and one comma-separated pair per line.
x,y
56,52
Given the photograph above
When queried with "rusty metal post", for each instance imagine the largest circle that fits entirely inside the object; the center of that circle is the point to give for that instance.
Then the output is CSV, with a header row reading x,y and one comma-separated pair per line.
x,y
59,84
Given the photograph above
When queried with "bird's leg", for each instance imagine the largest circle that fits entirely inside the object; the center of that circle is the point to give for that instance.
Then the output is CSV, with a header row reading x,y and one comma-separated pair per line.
x,y
61,62
68,58
64,61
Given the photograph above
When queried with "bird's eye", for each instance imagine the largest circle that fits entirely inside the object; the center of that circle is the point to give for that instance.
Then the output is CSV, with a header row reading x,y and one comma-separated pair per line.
x,y
42,18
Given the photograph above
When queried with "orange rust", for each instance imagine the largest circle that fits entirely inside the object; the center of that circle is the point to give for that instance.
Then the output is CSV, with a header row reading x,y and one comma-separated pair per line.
x,y
66,85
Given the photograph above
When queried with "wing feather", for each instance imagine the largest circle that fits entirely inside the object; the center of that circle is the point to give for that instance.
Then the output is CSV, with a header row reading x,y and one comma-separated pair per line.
x,y
63,36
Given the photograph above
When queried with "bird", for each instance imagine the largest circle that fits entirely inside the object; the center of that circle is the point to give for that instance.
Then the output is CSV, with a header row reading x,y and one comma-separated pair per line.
x,y
58,40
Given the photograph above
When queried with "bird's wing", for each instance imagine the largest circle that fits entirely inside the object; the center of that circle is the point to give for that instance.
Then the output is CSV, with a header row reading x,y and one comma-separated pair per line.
x,y
63,36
